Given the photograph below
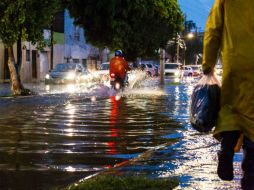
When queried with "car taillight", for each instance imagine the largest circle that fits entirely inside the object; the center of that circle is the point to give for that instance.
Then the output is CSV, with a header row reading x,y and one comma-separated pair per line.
x,y
112,75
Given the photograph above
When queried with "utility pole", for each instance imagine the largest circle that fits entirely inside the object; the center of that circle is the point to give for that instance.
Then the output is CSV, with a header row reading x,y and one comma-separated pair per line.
x,y
162,58
178,38
52,46
177,51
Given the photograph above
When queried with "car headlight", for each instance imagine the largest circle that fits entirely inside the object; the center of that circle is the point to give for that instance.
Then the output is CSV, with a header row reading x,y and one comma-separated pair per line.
x,y
70,76
47,76
84,77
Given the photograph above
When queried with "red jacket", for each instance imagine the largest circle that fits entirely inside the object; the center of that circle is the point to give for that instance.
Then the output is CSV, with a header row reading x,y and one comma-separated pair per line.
x,y
119,66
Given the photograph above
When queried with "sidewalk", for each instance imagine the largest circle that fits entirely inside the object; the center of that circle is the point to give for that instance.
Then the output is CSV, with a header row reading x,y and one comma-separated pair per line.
x,y
194,165
5,89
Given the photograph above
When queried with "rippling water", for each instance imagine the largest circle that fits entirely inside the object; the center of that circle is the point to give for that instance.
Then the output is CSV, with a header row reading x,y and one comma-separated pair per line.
x,y
49,140
54,139
193,159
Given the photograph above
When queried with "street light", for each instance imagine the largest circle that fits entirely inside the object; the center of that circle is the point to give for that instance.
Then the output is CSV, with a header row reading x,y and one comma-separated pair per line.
x,y
190,35
181,44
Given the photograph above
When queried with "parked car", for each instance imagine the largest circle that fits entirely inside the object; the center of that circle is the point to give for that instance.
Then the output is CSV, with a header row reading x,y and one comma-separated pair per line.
x,y
157,69
66,73
187,71
173,69
149,68
197,70
103,69
218,69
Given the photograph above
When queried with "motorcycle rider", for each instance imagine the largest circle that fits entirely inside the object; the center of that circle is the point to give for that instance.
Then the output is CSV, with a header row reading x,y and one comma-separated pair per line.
x,y
119,67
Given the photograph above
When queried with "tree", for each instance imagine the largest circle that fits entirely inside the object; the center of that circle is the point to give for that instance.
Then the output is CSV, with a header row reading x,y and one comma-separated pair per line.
x,y
138,27
24,19
189,26
195,45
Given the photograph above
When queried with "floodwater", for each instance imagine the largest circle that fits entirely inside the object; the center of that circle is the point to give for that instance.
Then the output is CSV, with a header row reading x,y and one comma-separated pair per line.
x,y
69,132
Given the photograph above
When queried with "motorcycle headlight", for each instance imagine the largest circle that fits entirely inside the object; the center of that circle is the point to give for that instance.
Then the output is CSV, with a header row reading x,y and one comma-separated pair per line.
x,y
47,76
70,76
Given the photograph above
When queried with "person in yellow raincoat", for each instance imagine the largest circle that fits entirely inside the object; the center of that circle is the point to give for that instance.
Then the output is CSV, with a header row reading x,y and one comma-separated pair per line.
x,y
229,34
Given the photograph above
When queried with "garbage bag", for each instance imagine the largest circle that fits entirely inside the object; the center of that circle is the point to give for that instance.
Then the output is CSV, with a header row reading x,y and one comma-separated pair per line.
x,y
205,103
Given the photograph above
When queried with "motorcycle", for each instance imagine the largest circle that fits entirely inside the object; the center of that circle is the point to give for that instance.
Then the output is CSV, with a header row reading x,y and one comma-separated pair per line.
x,y
117,83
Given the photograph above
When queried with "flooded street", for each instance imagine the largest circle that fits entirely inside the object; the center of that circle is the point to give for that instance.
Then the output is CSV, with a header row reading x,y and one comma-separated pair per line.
x,y
53,139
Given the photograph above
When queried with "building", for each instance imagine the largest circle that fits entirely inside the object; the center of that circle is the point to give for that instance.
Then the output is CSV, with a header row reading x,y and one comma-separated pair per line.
x,y
77,50
35,63
69,46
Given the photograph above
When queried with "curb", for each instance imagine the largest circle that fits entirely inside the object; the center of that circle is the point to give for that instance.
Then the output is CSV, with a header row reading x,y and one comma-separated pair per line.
x,y
113,170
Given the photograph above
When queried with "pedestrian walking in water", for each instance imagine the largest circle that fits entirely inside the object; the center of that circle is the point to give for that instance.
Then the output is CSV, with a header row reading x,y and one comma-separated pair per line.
x,y
229,34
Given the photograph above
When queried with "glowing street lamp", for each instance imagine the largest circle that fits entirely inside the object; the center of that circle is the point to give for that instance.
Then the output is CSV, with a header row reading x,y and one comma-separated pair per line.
x,y
181,44
190,35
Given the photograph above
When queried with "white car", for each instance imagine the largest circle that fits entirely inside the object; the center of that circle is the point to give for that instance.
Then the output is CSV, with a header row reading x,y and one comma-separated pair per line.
x,y
187,71
104,69
197,70
173,70
150,68
218,69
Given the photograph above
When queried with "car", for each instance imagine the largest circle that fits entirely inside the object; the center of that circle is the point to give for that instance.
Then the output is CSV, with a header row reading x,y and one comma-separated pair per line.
x,y
149,68
157,69
172,70
103,69
66,73
197,70
102,73
187,71
218,69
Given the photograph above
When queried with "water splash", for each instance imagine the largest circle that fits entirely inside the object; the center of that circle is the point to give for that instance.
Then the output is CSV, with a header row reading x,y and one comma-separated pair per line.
x,y
137,79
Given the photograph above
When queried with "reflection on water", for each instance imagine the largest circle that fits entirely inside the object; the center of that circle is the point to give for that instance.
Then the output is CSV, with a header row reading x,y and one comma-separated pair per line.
x,y
55,139
193,158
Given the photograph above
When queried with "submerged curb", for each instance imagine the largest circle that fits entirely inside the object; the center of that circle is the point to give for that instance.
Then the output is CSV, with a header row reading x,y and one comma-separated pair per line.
x,y
114,170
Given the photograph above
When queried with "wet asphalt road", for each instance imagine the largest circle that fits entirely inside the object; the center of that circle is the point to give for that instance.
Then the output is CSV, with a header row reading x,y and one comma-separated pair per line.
x,y
68,132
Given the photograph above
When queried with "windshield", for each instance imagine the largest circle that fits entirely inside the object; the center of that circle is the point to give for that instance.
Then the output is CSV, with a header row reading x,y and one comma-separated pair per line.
x,y
64,67
149,66
105,67
171,66
196,67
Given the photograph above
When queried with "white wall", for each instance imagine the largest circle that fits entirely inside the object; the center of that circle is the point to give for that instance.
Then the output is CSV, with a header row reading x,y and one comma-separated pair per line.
x,y
58,54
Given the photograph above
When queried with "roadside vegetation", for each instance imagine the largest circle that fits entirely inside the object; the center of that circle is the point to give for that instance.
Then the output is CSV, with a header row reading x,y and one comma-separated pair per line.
x,y
138,27
112,182
24,20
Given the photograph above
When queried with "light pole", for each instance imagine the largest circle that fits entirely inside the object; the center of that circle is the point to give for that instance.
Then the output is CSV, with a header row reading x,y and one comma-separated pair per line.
x,y
177,48
181,44
162,59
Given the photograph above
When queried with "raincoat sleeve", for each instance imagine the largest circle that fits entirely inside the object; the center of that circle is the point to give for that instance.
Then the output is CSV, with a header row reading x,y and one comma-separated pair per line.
x,y
213,35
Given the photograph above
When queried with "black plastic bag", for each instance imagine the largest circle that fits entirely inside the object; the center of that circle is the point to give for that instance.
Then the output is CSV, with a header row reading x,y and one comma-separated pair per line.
x,y
205,103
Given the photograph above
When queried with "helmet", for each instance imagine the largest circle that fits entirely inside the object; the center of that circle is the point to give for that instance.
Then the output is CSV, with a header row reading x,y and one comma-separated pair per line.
x,y
119,53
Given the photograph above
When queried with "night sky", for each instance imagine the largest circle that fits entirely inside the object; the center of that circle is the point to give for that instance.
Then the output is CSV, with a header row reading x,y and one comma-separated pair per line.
x,y
196,10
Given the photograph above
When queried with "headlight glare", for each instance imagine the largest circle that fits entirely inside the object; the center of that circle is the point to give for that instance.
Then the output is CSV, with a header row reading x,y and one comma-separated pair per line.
x,y
70,76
